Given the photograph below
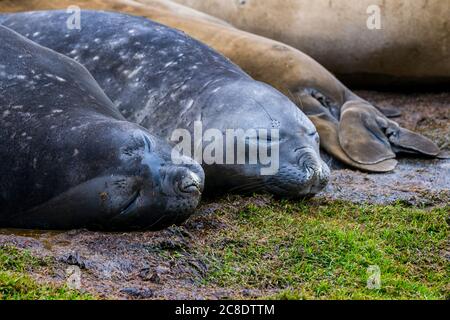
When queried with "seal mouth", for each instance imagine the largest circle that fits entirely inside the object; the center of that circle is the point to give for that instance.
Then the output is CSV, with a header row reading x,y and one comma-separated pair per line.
x,y
191,188
188,184
131,205
299,181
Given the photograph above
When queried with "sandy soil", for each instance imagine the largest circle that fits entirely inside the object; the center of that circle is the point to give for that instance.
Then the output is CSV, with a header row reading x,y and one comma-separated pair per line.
x,y
134,266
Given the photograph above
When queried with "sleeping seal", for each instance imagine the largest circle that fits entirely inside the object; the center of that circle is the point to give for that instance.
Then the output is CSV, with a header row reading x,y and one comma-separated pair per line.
x,y
165,81
69,159
314,89
364,42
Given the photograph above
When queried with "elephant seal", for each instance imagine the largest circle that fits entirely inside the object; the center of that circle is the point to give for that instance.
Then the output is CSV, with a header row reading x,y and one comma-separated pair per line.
x,y
166,81
315,90
364,42
69,159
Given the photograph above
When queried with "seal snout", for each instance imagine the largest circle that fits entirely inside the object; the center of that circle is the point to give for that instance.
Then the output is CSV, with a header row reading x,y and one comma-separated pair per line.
x,y
189,183
317,171
183,187
184,181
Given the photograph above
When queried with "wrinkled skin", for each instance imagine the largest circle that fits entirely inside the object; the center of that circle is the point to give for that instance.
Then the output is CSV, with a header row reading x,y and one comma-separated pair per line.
x,y
165,81
69,159
315,90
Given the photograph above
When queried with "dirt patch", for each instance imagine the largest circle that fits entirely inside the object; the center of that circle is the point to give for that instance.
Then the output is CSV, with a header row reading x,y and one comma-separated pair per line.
x,y
164,265
416,182
134,265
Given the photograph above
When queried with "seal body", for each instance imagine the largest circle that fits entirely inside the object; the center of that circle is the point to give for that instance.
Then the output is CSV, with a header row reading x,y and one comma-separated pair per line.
x,y
309,85
69,159
370,43
164,80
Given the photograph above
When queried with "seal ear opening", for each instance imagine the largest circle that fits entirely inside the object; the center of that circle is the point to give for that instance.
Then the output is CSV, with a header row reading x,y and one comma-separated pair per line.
x,y
362,135
328,128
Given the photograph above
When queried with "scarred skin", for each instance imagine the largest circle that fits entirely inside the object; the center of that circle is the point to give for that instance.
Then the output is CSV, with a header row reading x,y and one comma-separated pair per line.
x,y
315,90
69,159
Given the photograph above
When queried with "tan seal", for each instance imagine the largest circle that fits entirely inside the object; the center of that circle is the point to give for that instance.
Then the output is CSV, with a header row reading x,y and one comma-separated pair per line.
x,y
363,41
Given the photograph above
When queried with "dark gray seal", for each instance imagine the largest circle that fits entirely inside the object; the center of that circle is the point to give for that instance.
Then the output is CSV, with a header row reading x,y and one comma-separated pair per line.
x,y
164,80
69,159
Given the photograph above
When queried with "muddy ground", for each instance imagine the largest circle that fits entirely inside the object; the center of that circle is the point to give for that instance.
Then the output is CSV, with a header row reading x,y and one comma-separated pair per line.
x,y
134,266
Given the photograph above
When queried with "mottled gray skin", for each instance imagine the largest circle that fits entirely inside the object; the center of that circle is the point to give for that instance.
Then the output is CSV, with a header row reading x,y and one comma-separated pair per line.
x,y
163,80
69,159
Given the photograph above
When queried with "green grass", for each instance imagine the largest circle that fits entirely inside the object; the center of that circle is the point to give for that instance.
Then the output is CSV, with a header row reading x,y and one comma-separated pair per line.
x,y
16,284
315,249
322,250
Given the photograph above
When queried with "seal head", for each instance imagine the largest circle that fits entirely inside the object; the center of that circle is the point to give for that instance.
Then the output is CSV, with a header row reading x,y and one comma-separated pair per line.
x,y
69,159
295,168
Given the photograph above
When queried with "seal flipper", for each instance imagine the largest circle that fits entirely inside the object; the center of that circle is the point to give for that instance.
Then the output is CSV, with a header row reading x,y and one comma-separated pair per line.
x,y
389,112
328,128
361,133
444,155
408,141
368,137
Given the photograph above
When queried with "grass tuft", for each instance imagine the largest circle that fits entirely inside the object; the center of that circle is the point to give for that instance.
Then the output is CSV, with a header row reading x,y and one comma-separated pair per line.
x,y
16,284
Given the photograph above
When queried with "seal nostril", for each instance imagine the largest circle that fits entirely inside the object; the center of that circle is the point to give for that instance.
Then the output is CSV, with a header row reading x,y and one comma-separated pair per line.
x,y
312,165
190,183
